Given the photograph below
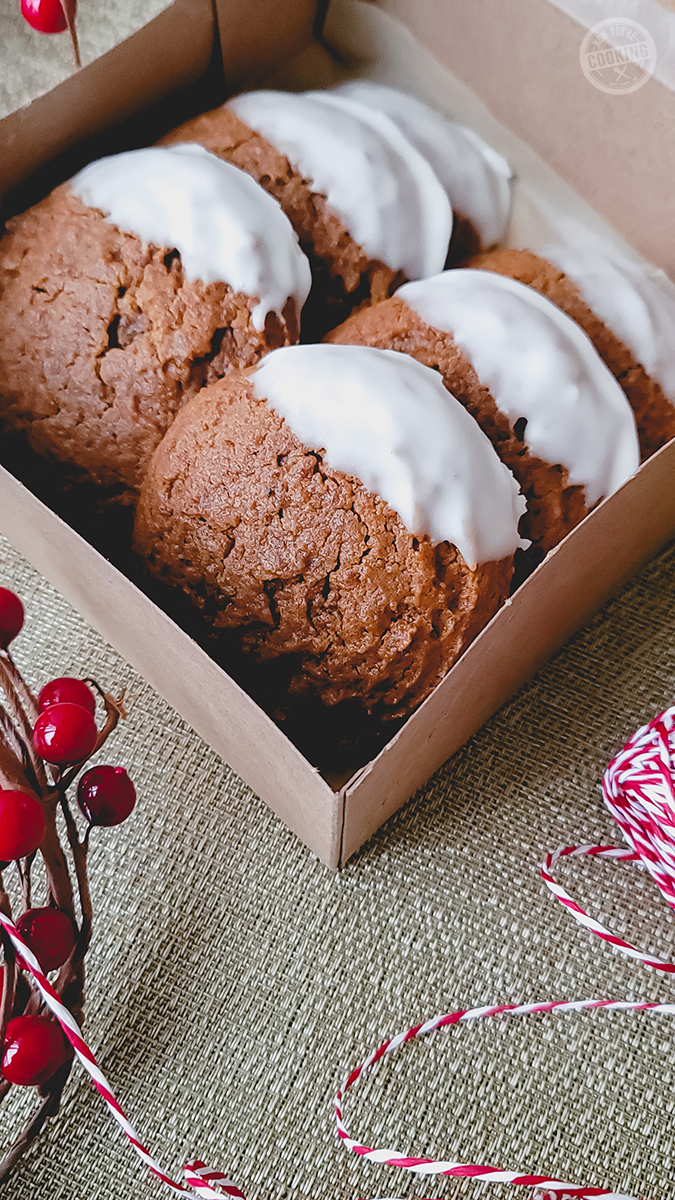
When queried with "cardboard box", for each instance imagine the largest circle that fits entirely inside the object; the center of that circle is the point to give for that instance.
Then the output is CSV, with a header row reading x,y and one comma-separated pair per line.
x,y
177,64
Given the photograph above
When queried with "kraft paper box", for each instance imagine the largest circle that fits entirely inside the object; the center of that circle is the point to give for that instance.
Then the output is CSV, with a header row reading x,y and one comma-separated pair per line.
x,y
588,165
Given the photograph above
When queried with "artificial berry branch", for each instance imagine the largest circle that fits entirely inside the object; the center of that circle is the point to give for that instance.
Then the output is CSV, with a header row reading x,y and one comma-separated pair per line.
x,y
44,746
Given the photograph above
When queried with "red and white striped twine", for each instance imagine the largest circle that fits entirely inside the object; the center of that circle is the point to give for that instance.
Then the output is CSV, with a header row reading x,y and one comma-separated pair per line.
x,y
639,790
198,1176
546,1187
640,793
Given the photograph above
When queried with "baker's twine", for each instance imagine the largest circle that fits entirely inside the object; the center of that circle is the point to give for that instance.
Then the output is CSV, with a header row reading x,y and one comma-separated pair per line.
x,y
546,1187
639,791
640,794
198,1176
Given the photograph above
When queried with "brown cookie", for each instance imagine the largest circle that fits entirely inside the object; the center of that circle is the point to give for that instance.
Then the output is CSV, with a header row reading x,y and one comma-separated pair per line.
x,y
305,564
654,414
344,275
553,506
102,339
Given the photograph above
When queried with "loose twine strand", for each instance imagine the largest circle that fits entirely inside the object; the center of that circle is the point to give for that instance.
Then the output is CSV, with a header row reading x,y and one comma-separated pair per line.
x,y
639,791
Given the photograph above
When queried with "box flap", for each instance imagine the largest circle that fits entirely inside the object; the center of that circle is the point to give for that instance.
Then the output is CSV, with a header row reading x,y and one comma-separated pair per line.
x,y
273,32
617,151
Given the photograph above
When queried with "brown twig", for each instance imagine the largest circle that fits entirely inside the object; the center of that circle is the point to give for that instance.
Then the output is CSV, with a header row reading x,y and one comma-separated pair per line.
x,y
12,771
48,1108
9,970
10,736
59,885
28,701
69,9
8,683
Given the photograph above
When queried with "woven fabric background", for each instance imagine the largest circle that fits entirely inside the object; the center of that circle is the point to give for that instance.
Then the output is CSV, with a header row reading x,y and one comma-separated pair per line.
x,y
233,979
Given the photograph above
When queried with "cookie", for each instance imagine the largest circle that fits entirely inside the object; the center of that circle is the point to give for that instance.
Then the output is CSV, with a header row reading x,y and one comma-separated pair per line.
x,y
336,509
477,179
529,377
368,209
124,292
628,314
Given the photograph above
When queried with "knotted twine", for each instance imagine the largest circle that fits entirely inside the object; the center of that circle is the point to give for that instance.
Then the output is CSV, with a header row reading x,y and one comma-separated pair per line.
x,y
639,791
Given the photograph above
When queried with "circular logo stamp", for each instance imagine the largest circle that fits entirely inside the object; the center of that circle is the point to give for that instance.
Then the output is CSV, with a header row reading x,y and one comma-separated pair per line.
x,y
618,55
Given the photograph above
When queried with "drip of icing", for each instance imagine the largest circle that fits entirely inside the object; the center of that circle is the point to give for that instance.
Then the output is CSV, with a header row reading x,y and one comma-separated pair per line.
x,y
538,365
630,301
476,178
225,227
389,421
383,190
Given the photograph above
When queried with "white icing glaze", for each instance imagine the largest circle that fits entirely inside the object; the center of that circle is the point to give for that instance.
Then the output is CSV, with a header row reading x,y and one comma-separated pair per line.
x,y
630,302
225,227
537,364
387,420
476,178
384,191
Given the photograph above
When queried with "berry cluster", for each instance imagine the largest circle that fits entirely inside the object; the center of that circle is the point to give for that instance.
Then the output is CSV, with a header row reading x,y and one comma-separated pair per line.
x,y
44,744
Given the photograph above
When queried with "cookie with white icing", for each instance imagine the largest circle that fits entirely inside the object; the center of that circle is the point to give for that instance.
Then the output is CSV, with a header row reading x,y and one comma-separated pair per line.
x,y
626,312
476,178
125,291
529,376
338,510
367,207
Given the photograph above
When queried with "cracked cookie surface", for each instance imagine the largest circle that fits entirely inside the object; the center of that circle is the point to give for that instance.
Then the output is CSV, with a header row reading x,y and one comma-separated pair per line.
x,y
263,537
102,339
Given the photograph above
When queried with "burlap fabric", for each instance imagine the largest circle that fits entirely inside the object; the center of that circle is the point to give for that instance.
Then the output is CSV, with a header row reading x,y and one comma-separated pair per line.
x,y
232,978
32,63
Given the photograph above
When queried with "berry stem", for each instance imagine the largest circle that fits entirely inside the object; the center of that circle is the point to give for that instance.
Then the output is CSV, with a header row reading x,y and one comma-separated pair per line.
x,y
28,700
114,710
23,867
48,1108
9,972
9,735
59,886
79,850
69,8
17,694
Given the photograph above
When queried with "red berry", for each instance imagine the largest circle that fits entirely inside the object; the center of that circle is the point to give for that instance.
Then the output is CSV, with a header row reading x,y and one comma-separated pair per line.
x,y
67,691
106,795
11,617
65,734
50,935
47,16
33,1050
22,825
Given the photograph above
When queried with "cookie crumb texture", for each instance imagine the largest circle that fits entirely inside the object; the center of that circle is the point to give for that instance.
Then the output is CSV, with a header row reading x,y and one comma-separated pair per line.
x,y
263,538
654,414
103,339
344,277
554,506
